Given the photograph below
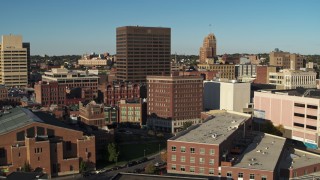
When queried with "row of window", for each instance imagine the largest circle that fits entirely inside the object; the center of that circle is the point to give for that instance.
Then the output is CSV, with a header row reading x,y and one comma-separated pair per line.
x,y
307,126
303,115
192,150
308,105
192,159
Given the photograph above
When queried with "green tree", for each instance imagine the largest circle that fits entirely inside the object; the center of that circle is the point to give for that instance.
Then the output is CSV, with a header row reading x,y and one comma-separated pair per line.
x,y
269,128
150,169
83,166
163,156
186,125
113,152
26,167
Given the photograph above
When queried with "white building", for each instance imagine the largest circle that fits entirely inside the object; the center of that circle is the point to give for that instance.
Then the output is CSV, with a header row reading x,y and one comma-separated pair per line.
x,y
291,79
228,95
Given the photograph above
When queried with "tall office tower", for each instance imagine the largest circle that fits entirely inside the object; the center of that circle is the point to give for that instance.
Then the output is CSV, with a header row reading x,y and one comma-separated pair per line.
x,y
142,51
27,46
13,61
209,48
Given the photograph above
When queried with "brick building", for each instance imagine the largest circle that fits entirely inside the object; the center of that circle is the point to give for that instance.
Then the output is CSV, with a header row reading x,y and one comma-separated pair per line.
x,y
173,100
3,92
43,142
130,111
92,114
142,51
114,92
262,75
286,60
208,49
222,70
48,93
222,147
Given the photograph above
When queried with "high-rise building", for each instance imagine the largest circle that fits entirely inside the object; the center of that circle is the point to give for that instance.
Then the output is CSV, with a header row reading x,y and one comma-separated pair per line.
x,y
13,61
27,46
173,100
142,51
209,48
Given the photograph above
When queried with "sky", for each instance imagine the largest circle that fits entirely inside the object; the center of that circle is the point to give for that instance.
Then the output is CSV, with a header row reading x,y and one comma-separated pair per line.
x,y
75,27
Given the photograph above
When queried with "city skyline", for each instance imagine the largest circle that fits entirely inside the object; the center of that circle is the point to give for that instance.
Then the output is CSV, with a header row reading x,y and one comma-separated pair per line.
x,y
78,27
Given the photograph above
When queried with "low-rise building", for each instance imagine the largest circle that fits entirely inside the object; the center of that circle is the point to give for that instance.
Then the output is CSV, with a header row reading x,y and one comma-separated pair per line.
x,y
115,91
297,110
48,93
223,70
41,141
93,60
225,95
291,79
92,114
130,111
3,92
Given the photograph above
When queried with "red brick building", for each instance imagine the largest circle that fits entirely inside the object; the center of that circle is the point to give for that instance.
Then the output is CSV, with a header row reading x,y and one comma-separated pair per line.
x,y
262,76
42,141
116,91
173,100
48,93
130,111
3,93
92,114
223,147
207,75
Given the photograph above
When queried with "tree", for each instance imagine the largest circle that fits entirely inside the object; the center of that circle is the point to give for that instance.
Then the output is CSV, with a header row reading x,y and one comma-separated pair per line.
x,y
186,125
150,169
113,152
163,156
83,166
26,167
268,127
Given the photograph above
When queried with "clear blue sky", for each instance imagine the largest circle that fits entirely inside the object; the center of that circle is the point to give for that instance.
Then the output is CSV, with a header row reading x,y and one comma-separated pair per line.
x,y
60,27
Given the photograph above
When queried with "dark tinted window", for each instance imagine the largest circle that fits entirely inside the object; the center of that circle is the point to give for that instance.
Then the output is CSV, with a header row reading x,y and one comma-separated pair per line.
x,y
40,131
20,136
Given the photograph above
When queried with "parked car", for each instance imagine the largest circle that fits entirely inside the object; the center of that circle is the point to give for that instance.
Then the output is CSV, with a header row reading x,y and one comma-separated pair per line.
x,y
115,168
158,164
143,160
138,170
132,163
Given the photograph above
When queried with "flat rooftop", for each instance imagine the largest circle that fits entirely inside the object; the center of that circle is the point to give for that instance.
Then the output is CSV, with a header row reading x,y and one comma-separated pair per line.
x,y
263,153
301,92
296,158
131,176
214,130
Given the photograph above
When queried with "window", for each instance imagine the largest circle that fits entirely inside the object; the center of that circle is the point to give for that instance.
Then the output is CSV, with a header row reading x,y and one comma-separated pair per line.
x,y
30,132
312,117
240,175
312,106
201,160
173,148
192,160
299,105
68,145
212,151
263,177
192,150
173,167
298,125
173,157
183,159
229,174
2,153
192,169
295,174
311,127
202,151
251,176
211,162
71,168
211,171
298,115
182,168
201,170
183,149
20,136
40,131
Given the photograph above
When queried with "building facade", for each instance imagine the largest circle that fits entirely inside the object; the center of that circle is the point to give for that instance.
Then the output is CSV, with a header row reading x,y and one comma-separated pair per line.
x,y
13,61
89,61
130,111
142,51
291,79
298,111
115,91
222,70
244,71
48,93
225,95
208,49
92,114
72,79
42,141
286,60
262,75
173,100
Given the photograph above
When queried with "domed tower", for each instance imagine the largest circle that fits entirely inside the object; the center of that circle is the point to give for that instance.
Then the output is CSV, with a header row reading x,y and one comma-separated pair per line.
x,y
209,48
